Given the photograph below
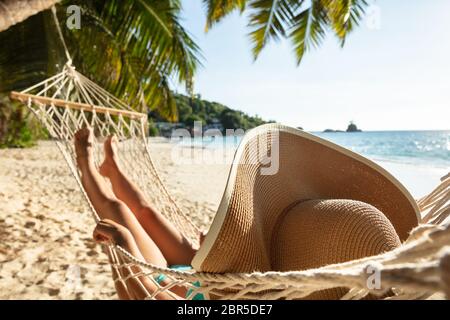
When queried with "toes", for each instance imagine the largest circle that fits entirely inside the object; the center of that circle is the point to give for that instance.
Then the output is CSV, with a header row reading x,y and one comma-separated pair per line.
x,y
110,144
83,133
111,140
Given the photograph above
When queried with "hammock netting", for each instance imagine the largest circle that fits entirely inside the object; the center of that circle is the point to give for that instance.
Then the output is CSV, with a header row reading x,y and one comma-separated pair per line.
x,y
69,101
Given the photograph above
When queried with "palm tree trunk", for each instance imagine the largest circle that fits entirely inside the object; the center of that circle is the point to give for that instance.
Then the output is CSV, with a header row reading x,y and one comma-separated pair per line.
x,y
15,11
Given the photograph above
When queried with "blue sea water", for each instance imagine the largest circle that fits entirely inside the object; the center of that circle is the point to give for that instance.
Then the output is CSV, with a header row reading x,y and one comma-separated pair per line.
x,y
427,148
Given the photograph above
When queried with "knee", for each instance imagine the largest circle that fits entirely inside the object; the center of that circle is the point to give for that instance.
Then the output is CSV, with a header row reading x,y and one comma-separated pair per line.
x,y
116,210
113,205
145,211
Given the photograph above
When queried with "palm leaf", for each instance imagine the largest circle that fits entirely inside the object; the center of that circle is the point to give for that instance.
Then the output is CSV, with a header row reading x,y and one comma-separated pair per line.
x,y
129,47
216,10
345,15
308,29
305,23
156,13
269,20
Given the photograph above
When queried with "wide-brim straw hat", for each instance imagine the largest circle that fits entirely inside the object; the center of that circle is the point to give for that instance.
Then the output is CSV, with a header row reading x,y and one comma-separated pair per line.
x,y
294,201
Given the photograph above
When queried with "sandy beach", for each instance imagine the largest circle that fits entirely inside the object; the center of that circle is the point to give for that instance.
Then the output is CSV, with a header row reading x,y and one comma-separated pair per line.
x,y
46,249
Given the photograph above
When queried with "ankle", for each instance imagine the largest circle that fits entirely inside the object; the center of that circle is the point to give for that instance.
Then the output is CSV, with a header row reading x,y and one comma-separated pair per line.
x,y
113,161
89,163
83,161
114,172
109,168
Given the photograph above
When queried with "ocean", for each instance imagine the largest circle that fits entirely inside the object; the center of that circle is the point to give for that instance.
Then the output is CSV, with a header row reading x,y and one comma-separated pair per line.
x,y
416,158
428,148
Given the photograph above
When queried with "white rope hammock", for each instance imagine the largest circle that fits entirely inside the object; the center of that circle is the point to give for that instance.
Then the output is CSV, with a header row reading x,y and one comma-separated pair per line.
x,y
69,101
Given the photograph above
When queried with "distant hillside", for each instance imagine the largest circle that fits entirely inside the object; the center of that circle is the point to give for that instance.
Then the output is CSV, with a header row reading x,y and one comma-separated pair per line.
x,y
211,114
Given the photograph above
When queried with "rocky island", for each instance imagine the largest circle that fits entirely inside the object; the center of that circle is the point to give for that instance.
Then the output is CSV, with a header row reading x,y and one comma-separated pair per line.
x,y
351,128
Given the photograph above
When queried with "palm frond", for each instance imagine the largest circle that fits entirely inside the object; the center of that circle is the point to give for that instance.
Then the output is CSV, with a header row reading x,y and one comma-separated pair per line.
x,y
129,47
305,23
157,14
308,29
140,35
345,15
270,19
216,10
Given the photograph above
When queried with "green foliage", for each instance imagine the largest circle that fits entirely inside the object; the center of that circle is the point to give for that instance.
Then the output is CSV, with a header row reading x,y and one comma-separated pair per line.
x,y
152,129
18,129
217,9
192,118
305,23
134,49
209,113
24,58
231,119
267,19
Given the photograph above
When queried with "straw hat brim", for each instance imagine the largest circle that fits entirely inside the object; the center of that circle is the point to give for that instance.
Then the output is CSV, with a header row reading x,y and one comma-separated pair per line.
x,y
307,168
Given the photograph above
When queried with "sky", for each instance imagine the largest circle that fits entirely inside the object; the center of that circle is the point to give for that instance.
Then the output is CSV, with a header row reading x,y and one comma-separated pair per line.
x,y
392,74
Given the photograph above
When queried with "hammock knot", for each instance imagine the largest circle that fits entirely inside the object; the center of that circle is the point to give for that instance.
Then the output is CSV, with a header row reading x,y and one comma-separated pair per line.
x,y
69,64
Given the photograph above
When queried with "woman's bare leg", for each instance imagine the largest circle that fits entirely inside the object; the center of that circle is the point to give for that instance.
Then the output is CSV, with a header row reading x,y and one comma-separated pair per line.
x,y
131,286
174,246
105,202
123,226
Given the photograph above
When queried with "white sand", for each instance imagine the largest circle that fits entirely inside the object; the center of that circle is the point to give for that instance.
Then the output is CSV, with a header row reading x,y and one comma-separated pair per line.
x,y
46,250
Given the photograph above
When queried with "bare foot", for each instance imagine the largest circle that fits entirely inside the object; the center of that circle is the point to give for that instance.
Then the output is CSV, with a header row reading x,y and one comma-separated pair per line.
x,y
84,141
110,163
